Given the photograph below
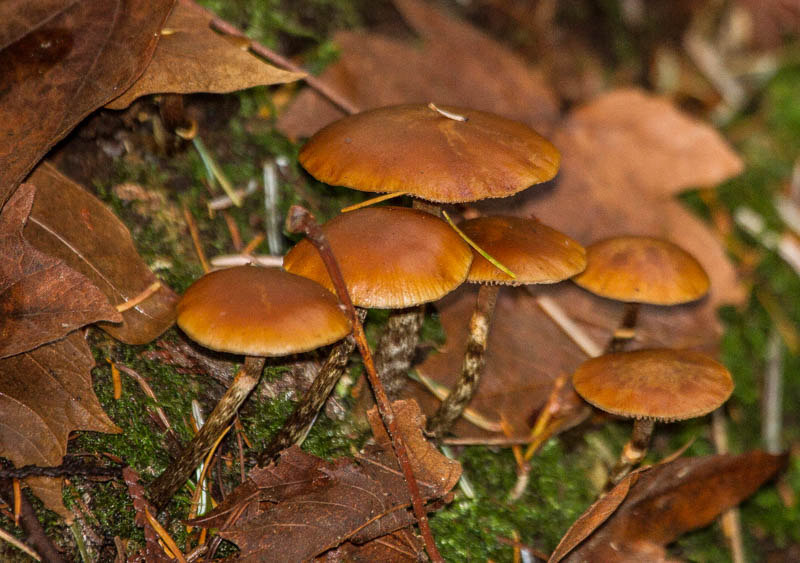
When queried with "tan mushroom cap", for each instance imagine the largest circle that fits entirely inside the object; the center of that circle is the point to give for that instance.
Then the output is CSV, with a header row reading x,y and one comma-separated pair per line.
x,y
390,257
661,384
260,312
641,269
535,252
416,149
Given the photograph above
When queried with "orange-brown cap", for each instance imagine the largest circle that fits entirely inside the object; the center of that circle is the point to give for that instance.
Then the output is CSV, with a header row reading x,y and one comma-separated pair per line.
x,y
643,270
260,312
417,149
390,257
662,384
533,251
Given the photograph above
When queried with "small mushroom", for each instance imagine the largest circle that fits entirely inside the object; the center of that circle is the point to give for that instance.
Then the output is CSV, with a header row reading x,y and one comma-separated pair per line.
x,y
641,270
650,385
536,254
257,312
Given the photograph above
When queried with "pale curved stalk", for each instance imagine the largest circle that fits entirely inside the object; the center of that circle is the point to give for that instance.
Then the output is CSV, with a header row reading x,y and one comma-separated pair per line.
x,y
634,451
309,406
174,476
472,368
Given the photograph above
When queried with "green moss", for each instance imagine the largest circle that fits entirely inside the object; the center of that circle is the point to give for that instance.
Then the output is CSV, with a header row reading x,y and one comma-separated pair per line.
x,y
558,492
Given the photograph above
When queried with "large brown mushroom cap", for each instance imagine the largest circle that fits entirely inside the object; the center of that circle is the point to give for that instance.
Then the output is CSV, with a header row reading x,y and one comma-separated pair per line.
x,y
260,312
533,251
661,384
643,270
416,149
390,257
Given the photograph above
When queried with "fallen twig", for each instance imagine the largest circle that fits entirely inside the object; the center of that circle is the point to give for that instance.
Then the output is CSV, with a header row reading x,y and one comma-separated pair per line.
x,y
224,27
300,220
34,533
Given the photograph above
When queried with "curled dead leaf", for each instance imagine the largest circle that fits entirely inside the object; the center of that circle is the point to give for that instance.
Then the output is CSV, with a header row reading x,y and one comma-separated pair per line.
x,y
41,298
45,394
192,57
59,61
664,502
70,223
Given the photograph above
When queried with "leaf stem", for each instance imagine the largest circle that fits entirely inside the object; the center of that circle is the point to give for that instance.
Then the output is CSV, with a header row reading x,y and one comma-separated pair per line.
x,y
300,220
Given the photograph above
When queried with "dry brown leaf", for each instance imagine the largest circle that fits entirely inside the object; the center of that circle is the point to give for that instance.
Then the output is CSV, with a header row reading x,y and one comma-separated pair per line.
x,y
526,352
152,552
302,505
455,64
70,223
59,61
629,138
45,394
41,298
594,516
664,502
693,325
772,20
191,57
398,547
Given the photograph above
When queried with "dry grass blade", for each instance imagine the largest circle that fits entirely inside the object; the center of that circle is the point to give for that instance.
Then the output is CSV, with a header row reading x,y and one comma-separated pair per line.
x,y
173,552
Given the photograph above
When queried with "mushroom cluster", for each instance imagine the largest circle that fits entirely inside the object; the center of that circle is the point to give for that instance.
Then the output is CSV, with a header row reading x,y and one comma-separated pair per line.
x,y
402,258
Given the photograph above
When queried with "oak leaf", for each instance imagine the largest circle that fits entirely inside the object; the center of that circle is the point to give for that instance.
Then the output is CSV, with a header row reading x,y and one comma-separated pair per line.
x,y
70,223
59,61
41,298
191,57
302,505
45,394
152,552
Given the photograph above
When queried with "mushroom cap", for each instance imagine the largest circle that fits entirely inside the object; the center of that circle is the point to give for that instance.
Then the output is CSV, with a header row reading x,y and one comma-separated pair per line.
x,y
260,312
390,257
641,269
535,252
416,149
661,384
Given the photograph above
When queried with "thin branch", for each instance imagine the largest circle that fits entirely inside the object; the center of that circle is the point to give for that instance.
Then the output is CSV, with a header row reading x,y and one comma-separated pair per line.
x,y
35,536
300,220
332,95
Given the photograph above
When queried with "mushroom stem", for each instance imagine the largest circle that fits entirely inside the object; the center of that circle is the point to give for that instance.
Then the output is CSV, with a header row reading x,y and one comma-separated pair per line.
x,y
298,220
397,346
306,410
398,343
626,330
428,207
174,476
472,367
634,451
